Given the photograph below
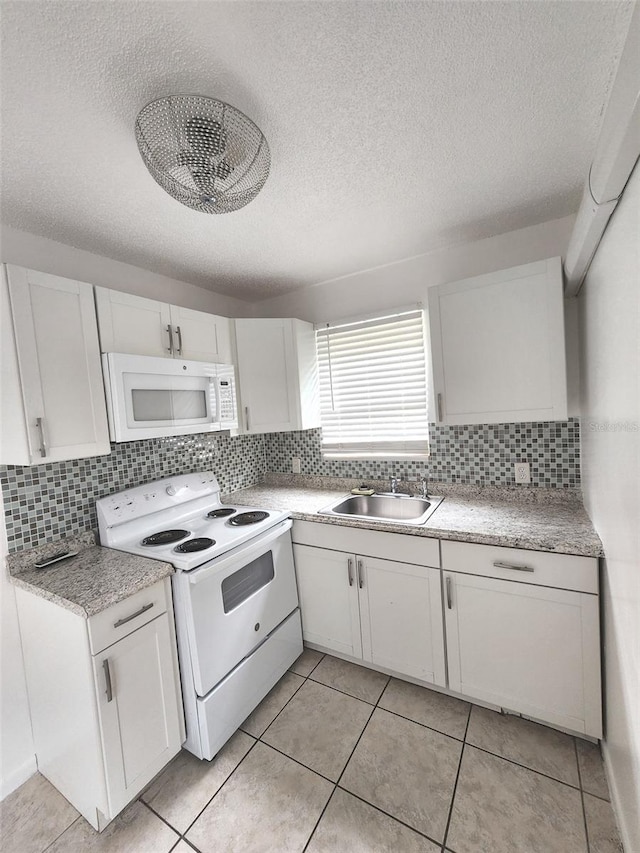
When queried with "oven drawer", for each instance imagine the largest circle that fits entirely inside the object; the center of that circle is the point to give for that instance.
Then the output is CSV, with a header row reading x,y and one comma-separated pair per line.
x,y
119,620
236,601
223,710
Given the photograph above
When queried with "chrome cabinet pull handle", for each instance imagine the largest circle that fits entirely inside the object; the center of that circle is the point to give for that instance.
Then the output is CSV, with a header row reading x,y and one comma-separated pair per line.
x,y
133,615
448,587
107,678
179,331
516,568
43,443
350,571
439,398
170,347
360,575
246,417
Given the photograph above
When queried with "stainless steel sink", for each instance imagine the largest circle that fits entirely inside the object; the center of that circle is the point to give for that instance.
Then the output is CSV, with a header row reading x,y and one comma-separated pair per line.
x,y
403,509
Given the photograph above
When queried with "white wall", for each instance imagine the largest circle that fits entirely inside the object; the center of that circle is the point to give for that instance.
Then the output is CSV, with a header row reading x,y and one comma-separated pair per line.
x,y
609,321
405,282
39,253
17,759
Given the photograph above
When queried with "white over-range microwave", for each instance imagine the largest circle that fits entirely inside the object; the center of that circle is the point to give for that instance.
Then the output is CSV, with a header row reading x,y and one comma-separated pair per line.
x,y
150,397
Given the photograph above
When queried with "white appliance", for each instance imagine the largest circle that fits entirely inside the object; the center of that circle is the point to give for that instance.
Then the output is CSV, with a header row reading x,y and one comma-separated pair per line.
x,y
234,589
149,397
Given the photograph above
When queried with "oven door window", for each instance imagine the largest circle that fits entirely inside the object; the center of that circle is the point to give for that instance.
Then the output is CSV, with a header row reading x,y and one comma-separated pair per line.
x,y
239,586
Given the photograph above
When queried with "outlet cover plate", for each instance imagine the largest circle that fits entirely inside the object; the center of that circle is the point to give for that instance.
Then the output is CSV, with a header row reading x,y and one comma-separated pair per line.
x,y
295,465
522,472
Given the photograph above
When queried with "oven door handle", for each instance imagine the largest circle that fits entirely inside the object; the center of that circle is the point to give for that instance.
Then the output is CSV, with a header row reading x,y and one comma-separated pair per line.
x,y
249,551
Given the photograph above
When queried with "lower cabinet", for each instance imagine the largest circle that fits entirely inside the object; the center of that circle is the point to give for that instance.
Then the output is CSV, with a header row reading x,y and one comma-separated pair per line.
x,y
384,612
104,694
137,707
522,631
521,627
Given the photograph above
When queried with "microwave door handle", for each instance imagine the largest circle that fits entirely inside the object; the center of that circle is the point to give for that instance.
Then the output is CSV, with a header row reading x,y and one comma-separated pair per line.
x,y
247,554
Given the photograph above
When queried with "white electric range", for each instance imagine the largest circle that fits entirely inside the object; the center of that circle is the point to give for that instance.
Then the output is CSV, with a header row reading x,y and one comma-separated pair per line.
x,y
234,591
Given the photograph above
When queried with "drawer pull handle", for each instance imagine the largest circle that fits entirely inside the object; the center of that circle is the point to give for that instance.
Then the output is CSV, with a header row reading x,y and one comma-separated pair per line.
x,y
448,587
107,678
513,566
360,575
133,615
350,571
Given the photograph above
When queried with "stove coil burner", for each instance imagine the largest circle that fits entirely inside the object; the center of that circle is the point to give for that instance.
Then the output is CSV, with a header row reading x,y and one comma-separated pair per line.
x,y
221,513
197,544
244,518
165,537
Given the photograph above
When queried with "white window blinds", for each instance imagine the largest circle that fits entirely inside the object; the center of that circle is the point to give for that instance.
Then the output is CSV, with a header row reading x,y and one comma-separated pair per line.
x,y
373,387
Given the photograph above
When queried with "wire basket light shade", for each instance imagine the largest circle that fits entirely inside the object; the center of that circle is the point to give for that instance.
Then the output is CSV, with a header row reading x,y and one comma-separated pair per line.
x,y
203,152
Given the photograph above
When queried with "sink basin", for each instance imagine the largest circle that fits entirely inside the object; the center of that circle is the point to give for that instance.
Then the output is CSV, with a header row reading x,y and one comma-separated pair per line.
x,y
396,508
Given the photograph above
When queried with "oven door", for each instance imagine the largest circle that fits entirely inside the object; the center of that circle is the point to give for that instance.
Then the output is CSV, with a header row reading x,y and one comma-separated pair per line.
x,y
235,601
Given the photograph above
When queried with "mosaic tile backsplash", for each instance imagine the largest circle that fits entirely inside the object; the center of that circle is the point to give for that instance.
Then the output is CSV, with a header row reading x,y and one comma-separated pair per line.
x,y
481,454
45,502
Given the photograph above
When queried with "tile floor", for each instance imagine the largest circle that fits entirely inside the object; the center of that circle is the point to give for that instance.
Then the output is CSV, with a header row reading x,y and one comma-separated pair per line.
x,y
340,759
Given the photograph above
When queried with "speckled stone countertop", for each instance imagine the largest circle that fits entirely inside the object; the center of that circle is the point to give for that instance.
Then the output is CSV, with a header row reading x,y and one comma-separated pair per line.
x,y
516,517
89,583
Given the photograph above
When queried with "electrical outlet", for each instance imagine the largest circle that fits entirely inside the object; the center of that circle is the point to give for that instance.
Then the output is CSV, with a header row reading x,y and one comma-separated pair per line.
x,y
295,465
522,472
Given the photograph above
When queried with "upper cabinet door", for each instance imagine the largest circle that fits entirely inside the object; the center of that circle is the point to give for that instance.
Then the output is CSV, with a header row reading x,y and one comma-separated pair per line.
x,y
277,375
266,373
497,346
199,336
59,372
133,324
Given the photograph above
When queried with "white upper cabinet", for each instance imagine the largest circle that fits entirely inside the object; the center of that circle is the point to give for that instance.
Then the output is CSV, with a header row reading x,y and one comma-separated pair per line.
x,y
497,346
53,405
277,375
141,326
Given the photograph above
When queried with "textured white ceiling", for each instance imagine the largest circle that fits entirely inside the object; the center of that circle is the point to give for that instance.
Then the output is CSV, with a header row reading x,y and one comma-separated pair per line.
x,y
395,128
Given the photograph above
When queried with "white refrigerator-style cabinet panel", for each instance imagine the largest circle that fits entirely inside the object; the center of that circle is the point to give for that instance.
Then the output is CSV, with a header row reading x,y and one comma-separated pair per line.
x,y
401,616
526,648
277,375
498,350
54,360
133,324
139,717
328,599
140,326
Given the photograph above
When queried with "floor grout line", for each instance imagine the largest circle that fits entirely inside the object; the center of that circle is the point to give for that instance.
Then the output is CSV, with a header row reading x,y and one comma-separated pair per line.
x,y
584,811
346,764
455,784
248,752
389,815
50,845
523,766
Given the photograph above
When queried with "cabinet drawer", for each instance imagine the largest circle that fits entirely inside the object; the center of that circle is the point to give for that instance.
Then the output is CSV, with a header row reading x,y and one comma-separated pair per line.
x,y
126,616
562,571
403,548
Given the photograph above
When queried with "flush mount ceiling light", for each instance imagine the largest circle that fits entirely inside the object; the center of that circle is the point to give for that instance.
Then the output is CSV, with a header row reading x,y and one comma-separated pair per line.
x,y
203,152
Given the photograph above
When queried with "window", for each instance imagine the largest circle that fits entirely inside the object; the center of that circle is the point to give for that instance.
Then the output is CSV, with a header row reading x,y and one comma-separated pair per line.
x,y
373,387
